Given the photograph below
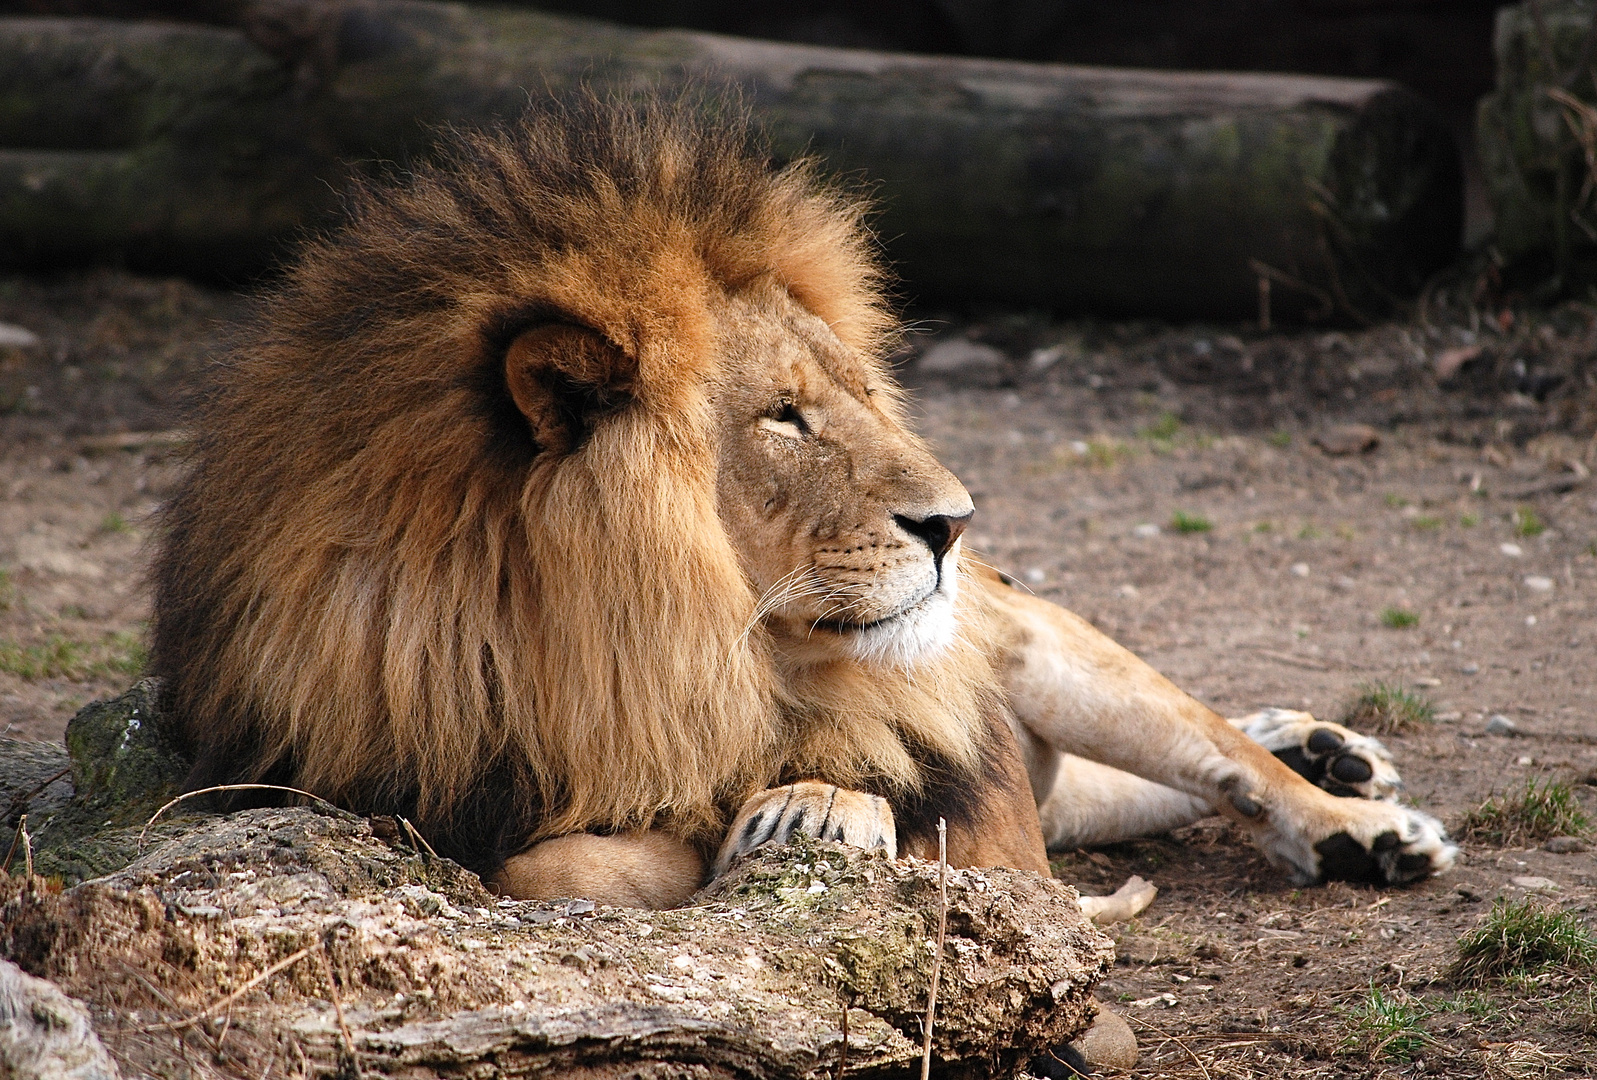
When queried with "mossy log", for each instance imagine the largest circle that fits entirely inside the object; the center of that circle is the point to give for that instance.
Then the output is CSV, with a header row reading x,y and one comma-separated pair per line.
x,y
1538,173
309,941
1079,189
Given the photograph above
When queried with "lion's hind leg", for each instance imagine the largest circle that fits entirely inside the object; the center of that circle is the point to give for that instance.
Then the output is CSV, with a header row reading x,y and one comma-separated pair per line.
x,y
1327,755
815,809
634,869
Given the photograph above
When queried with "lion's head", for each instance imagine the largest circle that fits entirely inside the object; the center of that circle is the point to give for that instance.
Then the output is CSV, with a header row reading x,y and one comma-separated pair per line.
x,y
565,488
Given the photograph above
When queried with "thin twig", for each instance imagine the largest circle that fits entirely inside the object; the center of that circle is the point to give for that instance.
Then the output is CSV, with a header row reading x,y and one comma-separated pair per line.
x,y
1196,1060
842,1051
417,840
287,961
338,1006
27,848
27,796
225,787
937,956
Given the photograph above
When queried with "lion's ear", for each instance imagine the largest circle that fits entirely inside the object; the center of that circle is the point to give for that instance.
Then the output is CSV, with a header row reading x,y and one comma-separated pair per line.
x,y
565,378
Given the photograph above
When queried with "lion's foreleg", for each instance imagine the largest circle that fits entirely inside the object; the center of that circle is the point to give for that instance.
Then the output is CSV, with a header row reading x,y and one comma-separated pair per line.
x,y
1091,803
635,869
1078,692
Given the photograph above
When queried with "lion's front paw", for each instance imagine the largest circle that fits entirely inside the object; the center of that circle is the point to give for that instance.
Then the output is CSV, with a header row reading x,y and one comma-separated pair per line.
x,y
1378,842
1327,755
815,809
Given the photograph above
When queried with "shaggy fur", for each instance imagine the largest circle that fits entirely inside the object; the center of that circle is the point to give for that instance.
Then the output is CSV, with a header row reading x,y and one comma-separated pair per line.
x,y
449,546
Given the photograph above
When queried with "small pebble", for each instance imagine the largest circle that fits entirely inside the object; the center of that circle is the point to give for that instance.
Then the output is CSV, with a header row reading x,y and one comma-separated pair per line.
x,y
1524,759
1035,575
1300,569
1513,551
1565,845
1530,620
958,356
1127,590
1498,724
1534,883
17,337
1344,583
1428,682
1539,584
1146,531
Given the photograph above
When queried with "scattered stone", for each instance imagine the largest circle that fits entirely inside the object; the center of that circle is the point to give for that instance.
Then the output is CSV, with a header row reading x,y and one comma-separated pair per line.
x,y
1429,682
1109,1042
1498,724
1167,1001
1127,590
1347,439
1345,583
1535,884
17,337
1565,845
1471,668
1524,759
1146,531
959,357
1449,362
1451,717
1035,576
1300,569
1513,551
44,1034
1530,620
1539,584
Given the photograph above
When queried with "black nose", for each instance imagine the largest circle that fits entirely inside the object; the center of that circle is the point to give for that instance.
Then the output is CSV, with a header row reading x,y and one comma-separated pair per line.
x,y
939,530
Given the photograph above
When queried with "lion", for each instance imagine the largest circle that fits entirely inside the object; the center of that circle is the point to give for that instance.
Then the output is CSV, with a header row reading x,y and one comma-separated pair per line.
x,y
563,503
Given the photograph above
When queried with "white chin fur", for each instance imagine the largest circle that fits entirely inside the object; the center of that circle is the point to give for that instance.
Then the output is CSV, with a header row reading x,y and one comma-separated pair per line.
x,y
918,635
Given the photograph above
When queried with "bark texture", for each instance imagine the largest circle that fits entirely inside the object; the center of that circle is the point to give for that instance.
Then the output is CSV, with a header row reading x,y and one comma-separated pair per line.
x,y
271,940
1083,189
1537,170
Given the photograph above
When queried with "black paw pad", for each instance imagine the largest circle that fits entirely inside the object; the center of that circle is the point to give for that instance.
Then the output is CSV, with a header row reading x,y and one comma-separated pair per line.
x,y
1351,770
1343,858
1063,1062
1387,841
1324,741
1246,805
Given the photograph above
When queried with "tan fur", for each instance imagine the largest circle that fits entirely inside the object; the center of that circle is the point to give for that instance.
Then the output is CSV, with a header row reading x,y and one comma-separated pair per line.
x,y
365,590
638,869
563,503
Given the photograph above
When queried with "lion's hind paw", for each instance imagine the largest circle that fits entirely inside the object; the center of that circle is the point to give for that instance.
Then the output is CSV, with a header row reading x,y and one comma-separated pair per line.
x,y
1415,847
1327,755
814,809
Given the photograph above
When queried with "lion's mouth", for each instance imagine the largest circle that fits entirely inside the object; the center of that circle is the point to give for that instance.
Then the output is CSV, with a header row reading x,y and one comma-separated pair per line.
x,y
837,626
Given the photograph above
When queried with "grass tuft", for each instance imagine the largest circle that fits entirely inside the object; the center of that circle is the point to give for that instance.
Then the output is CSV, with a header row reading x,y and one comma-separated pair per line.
x,y
1541,812
1279,438
1426,523
1397,618
61,657
1521,938
1388,1025
1527,522
1183,522
1386,708
114,524
1164,429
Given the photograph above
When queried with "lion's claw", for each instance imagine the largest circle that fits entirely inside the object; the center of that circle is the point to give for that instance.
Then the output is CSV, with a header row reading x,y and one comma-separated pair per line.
x,y
815,809
1327,755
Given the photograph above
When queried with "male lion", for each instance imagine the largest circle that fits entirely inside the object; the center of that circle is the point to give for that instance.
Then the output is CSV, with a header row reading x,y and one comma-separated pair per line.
x,y
562,503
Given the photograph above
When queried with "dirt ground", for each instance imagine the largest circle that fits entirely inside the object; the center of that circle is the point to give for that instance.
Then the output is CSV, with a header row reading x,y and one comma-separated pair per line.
x,y
1163,482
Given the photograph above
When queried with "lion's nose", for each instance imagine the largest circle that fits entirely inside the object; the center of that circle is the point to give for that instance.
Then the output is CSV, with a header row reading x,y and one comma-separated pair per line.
x,y
939,530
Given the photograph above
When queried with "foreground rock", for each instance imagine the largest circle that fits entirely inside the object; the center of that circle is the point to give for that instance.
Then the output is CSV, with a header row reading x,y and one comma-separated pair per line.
x,y
276,940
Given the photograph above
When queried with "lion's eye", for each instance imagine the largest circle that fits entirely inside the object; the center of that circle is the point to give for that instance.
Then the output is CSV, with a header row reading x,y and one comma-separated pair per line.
x,y
786,420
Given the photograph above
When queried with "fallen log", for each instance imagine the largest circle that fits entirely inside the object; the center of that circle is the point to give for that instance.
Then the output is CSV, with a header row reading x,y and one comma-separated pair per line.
x,y
1079,189
308,941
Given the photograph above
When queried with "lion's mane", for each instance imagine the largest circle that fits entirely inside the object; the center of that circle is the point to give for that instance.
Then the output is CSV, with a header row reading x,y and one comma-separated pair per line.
x,y
375,583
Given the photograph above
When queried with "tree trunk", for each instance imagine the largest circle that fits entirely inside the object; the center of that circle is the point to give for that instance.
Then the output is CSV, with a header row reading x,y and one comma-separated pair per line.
x,y
1071,188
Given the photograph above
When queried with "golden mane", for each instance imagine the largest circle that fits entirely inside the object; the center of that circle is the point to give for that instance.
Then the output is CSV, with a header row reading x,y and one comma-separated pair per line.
x,y
372,582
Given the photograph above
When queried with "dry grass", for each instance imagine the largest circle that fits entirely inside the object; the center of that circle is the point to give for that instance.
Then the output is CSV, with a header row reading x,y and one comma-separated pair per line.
x,y
1524,938
1388,708
1542,811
